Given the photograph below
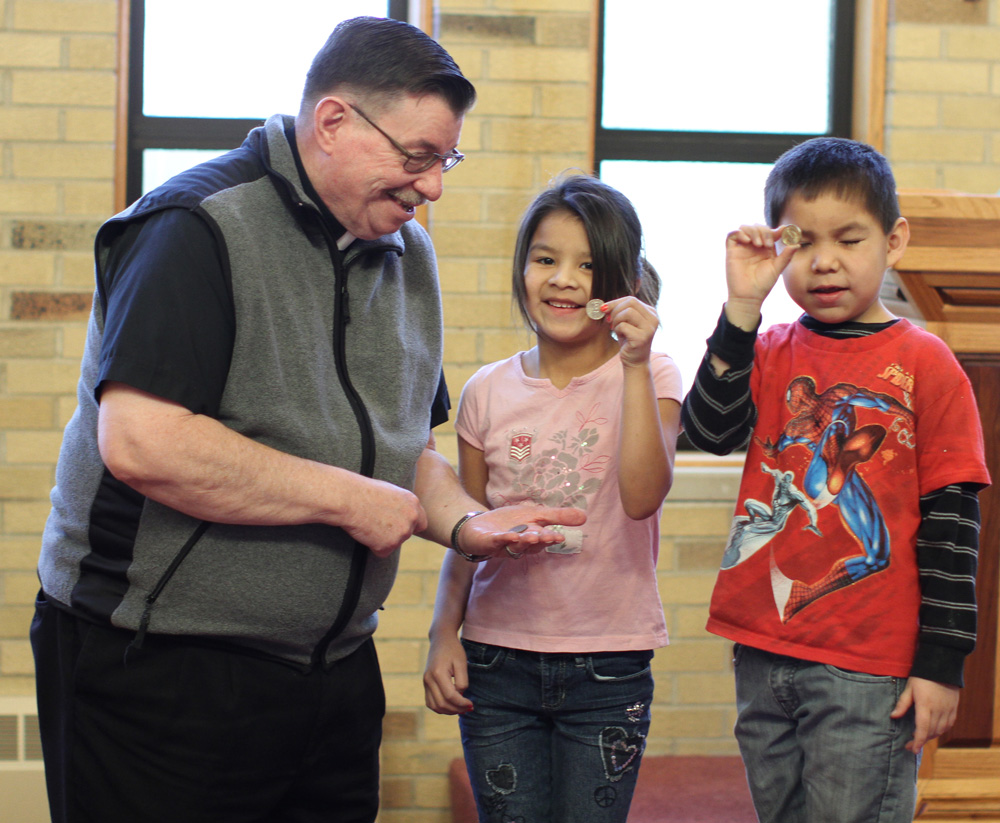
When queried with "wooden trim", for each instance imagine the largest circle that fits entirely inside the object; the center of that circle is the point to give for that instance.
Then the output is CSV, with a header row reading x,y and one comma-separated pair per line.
x,y
121,106
870,65
594,82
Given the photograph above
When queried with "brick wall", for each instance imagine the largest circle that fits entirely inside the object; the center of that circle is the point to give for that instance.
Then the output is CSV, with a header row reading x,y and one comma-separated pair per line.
x,y
57,95
532,63
943,101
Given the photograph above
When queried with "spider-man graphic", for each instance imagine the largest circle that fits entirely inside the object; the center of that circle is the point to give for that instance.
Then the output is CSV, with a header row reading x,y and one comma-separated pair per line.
x,y
826,424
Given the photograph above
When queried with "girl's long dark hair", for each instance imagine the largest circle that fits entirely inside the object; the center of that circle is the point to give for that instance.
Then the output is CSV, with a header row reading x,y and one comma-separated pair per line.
x,y
613,232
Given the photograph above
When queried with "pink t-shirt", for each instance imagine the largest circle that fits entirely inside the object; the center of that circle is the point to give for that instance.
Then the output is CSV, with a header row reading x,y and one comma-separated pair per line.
x,y
559,447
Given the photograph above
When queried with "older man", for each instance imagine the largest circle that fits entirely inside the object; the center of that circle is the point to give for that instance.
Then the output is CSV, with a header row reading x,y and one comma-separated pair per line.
x,y
252,444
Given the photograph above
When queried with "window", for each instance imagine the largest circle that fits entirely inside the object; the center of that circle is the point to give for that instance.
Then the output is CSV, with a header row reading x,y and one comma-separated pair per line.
x,y
203,73
695,102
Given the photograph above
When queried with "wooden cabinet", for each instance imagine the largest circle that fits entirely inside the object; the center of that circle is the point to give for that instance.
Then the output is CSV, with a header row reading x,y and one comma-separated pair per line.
x,y
949,277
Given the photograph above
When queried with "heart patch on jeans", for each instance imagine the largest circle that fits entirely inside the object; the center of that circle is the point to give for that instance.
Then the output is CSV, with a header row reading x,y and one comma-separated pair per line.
x,y
502,779
619,751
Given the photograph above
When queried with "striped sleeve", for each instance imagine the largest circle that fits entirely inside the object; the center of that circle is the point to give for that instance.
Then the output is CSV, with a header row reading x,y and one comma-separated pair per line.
x,y
947,552
719,413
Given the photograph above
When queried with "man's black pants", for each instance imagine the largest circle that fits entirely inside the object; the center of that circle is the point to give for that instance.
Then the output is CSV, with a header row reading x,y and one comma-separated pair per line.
x,y
182,732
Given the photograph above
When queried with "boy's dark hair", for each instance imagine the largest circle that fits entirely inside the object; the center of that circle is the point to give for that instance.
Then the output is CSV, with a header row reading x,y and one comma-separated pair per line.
x,y
387,58
846,168
613,232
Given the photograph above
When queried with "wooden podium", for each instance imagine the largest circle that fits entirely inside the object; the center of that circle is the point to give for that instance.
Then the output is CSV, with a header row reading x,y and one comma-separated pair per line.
x,y
950,278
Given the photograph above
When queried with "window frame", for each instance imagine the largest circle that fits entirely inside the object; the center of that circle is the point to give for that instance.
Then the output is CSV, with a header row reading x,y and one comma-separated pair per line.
x,y
136,132
739,147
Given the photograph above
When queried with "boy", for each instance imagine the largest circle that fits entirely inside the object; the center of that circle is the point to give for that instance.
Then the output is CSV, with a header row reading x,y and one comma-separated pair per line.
x,y
848,582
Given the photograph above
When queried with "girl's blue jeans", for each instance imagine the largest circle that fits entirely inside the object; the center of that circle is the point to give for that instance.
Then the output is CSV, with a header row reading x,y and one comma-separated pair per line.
x,y
818,743
555,738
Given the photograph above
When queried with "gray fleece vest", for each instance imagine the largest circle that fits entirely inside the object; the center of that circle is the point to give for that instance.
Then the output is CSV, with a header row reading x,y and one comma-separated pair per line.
x,y
355,395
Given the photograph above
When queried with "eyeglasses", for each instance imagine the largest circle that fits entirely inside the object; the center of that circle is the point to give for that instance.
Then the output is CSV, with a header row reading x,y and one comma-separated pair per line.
x,y
417,163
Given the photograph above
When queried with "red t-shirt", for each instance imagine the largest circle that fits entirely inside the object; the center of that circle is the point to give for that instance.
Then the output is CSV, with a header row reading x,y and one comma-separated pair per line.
x,y
821,560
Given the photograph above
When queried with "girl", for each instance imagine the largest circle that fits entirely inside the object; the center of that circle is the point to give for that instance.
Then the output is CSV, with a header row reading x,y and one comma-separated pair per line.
x,y
552,675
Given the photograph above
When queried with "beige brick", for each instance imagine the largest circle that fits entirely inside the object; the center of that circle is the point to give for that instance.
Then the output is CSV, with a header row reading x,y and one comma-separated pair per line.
x,y
693,722
971,113
565,100
471,143
504,99
27,341
421,555
974,42
485,310
460,276
90,199
18,552
78,270
33,377
16,658
457,376
582,6
508,207
63,16
25,517
34,124
917,176
695,689
459,206
92,52
464,241
14,686
688,621
431,792
568,30
695,520
552,165
939,76
400,656
983,179
689,588
28,198
923,145
63,161
551,136
21,50
555,64
461,346
33,446
498,345
405,757
403,690
22,483
65,406
27,268
918,41
69,88
497,277
15,620
469,60
914,111
497,171
396,793
19,588
442,727
414,816
409,622
90,125
407,590
27,412
708,655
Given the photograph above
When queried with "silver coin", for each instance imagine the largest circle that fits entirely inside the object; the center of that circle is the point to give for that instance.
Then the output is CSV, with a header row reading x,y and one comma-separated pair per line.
x,y
791,236
594,309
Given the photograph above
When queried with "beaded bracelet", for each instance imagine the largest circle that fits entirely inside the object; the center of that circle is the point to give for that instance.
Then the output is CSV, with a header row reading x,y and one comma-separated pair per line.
x,y
472,558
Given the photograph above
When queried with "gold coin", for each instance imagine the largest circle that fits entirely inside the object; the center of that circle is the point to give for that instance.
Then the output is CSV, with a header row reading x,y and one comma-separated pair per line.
x,y
594,309
791,236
